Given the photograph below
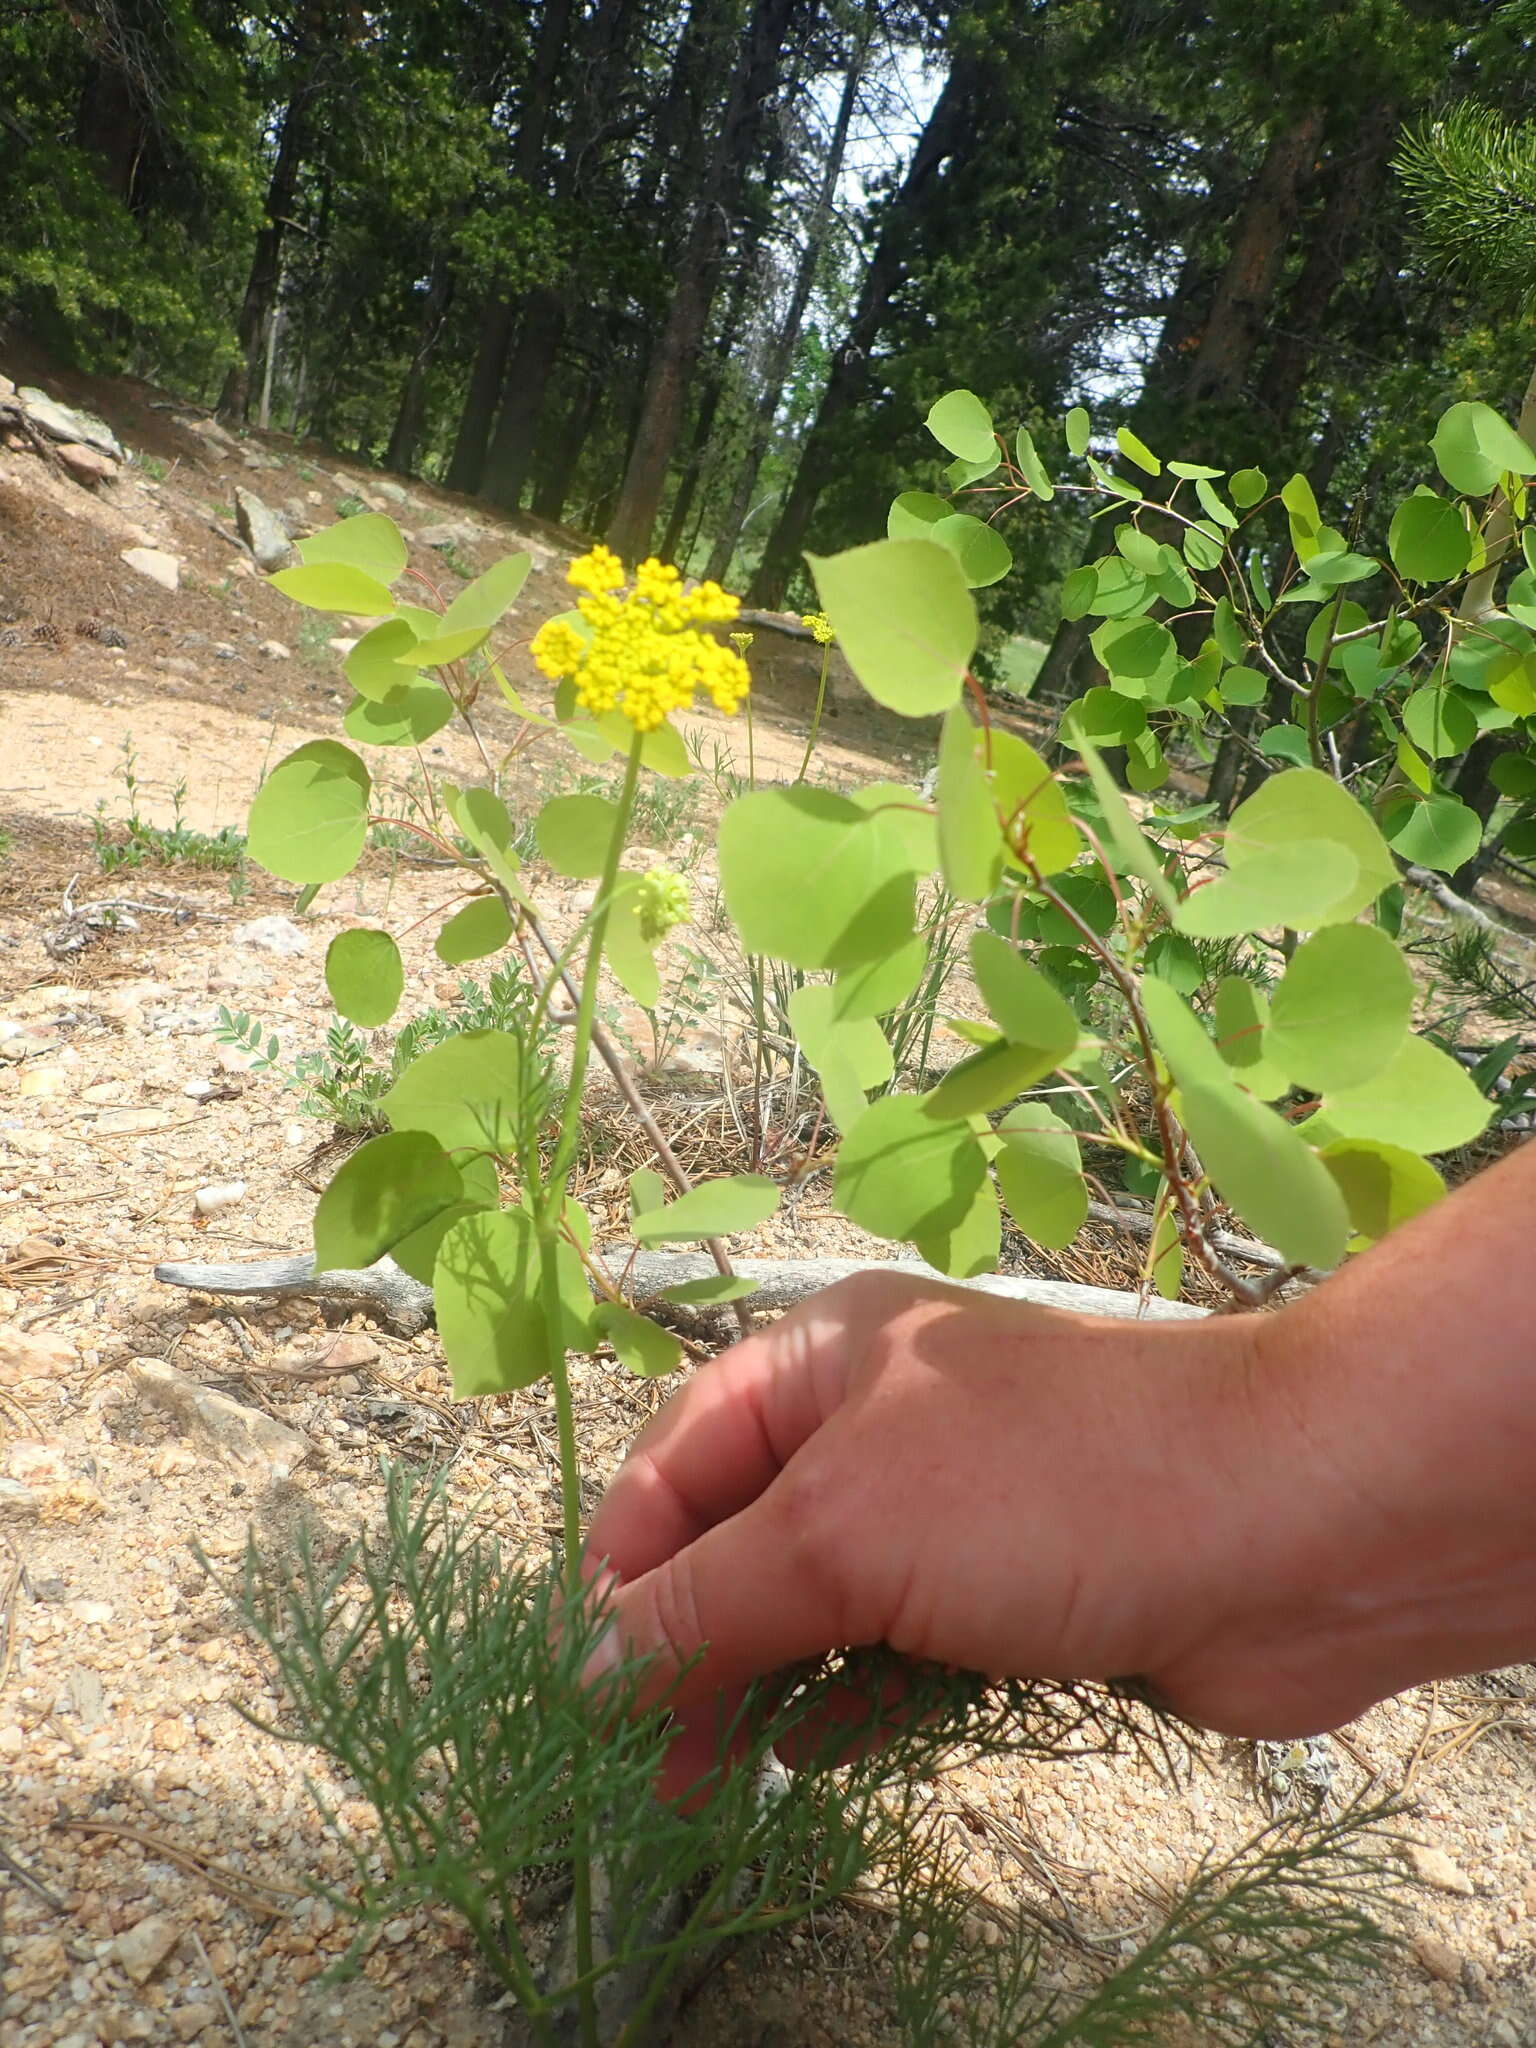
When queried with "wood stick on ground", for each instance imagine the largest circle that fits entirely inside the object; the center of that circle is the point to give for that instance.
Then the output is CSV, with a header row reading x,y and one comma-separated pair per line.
x,y
781,1283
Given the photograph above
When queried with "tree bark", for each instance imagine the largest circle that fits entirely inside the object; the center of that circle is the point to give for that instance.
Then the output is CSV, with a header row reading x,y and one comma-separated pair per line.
x,y
411,413
946,127
1330,247
719,207
267,260
1245,292
526,381
781,356
466,467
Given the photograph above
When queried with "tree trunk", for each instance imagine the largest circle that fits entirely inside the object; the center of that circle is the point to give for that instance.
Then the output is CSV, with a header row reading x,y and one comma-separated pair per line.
x,y
946,127
1478,793
411,413
552,483
267,260
713,391
466,467
1245,292
1331,245
662,407
781,356
527,380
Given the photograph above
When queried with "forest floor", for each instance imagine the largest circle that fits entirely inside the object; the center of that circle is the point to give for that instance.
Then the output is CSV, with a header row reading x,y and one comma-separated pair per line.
x,y
154,1849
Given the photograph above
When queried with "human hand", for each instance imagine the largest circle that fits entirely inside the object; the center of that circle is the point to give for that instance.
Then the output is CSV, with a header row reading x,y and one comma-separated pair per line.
x,y
980,1484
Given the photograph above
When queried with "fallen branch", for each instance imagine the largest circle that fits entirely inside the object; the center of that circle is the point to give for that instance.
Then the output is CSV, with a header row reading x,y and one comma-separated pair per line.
x,y
1138,1223
1435,885
403,1302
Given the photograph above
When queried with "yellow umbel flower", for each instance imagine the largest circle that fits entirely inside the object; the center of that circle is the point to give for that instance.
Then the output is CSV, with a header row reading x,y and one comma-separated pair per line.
x,y
819,626
642,653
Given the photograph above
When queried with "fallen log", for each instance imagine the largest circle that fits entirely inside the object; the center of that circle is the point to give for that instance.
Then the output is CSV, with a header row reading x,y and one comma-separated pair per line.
x,y
406,1305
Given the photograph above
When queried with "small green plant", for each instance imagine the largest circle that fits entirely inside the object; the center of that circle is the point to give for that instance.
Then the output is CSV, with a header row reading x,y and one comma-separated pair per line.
x,y
453,558
153,466
133,842
349,507
1087,934
344,1080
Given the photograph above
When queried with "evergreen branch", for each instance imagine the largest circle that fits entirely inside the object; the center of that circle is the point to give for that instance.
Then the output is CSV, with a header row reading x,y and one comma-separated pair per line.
x,y
1471,180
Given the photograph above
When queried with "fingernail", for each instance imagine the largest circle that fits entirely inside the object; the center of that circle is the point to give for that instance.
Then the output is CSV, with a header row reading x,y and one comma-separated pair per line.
x,y
603,1658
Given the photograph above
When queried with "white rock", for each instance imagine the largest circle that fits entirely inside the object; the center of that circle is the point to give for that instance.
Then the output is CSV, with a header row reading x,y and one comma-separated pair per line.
x,y
156,564
244,1435
278,935
274,650
262,530
341,646
1434,1867
198,1091
145,1947
217,1196
65,423
296,1135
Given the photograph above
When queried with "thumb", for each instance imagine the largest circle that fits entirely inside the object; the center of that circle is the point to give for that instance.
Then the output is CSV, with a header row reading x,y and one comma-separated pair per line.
x,y
751,1595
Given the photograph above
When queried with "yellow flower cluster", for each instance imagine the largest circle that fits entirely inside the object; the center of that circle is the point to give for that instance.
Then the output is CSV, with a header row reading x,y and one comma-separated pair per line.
x,y
643,654
819,626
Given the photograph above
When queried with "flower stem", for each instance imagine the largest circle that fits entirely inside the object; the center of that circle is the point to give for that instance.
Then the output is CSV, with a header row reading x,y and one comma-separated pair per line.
x,y
821,699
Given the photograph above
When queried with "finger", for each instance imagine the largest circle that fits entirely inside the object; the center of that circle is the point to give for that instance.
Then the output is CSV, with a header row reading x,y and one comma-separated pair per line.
x,y
758,1591
721,1442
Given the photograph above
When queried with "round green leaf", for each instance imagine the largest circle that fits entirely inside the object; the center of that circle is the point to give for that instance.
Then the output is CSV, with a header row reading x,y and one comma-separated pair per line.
x,y
441,650
1268,1174
1078,591
1422,1099
1104,718
1304,805
1518,839
904,618
373,666
1295,889
481,604
1144,554
715,1209
1514,775
1137,652
334,587
1180,1037
813,879
971,1246
827,1039
1202,550
997,1074
407,716
1474,448
1243,686
983,554
644,1347
369,542
915,514
1286,742
1039,1170
1342,1009
1119,590
1032,468
309,819
1136,450
1439,723
628,949
417,1253
481,927
1020,1001
1383,1185
970,835
1247,486
1079,430
1040,828
574,833
387,1189
882,985
1429,541
900,1174
486,1289
365,976
1241,1017
1443,834
961,423
466,1092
